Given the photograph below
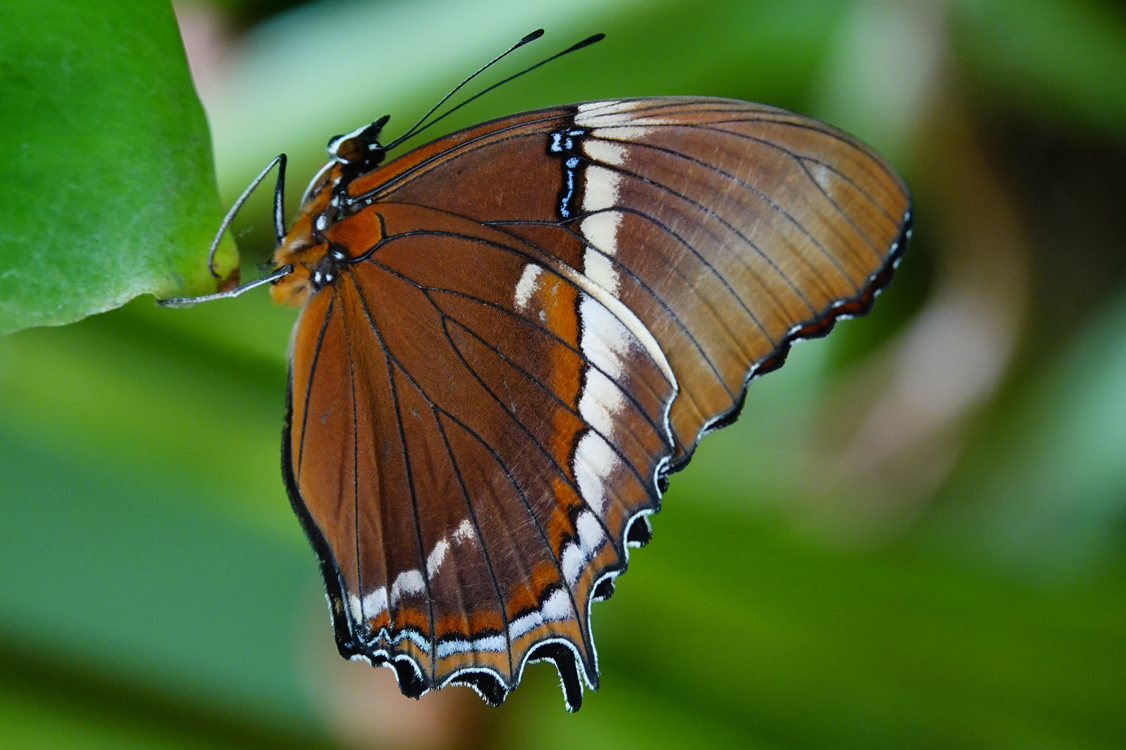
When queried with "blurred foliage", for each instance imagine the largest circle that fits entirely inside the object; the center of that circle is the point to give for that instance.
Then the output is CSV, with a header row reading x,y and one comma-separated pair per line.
x,y
158,593
107,173
1053,60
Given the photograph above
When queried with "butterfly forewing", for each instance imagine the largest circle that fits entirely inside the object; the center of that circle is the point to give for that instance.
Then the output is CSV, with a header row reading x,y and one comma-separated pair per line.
x,y
534,321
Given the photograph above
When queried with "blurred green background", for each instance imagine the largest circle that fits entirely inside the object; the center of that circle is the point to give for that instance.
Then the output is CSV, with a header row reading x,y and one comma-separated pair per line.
x,y
913,538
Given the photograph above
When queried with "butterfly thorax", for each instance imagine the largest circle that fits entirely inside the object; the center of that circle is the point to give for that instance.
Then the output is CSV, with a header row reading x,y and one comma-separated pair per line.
x,y
305,246
325,237
311,246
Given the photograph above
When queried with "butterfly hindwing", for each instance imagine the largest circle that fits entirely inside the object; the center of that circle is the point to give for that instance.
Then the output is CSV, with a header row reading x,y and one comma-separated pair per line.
x,y
500,453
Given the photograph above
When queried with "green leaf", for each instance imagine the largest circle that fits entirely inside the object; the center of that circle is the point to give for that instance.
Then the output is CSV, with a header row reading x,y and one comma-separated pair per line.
x,y
107,189
1054,58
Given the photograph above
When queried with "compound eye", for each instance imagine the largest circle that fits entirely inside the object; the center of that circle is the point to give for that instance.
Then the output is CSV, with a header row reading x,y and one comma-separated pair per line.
x,y
348,149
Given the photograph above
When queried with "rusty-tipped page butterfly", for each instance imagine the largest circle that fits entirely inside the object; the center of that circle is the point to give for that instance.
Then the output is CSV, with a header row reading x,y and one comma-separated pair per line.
x,y
509,338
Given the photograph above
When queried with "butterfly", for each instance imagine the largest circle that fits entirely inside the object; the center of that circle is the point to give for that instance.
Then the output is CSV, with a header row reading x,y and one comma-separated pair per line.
x,y
511,336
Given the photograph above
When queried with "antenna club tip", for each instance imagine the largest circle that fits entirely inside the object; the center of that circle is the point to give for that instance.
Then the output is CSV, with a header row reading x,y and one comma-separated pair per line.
x,y
585,43
531,37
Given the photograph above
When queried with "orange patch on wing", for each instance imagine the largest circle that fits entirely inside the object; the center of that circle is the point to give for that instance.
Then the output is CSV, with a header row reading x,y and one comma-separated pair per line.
x,y
357,233
521,599
382,620
412,618
556,297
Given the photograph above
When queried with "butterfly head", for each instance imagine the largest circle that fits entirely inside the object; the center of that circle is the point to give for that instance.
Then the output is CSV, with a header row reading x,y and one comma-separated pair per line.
x,y
360,150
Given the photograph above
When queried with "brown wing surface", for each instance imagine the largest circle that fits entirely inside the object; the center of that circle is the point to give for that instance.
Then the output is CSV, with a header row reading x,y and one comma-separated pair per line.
x,y
533,322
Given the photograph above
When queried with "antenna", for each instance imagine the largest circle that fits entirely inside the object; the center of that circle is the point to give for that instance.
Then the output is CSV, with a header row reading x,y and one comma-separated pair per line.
x,y
414,128
419,127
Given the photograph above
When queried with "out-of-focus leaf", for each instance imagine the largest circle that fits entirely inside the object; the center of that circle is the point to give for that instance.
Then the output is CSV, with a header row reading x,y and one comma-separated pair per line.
x,y
107,189
1049,489
111,392
1062,60
134,583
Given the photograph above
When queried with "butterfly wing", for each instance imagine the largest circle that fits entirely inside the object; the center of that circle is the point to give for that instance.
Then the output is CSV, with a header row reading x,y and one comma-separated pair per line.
x,y
540,318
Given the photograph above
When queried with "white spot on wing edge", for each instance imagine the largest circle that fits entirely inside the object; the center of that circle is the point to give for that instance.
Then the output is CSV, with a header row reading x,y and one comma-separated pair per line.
x,y
590,109
557,606
525,624
526,287
600,269
418,639
571,561
592,114
460,646
409,582
591,535
375,602
575,556
604,340
621,119
619,133
601,230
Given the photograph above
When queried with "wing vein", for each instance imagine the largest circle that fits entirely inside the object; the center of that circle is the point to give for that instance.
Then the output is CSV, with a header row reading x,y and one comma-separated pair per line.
x,y
732,228
309,383
773,116
774,205
733,339
477,530
546,390
800,159
529,259
672,315
534,379
355,468
389,360
527,433
388,187
531,514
